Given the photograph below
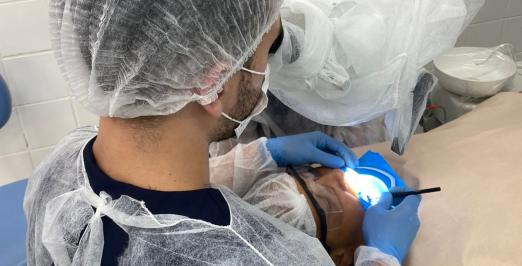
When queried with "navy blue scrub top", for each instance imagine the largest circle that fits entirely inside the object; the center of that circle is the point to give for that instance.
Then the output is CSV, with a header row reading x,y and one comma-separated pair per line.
x,y
204,204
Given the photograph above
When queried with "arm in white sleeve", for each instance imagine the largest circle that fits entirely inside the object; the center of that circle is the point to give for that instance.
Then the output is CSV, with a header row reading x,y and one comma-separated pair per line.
x,y
369,256
240,168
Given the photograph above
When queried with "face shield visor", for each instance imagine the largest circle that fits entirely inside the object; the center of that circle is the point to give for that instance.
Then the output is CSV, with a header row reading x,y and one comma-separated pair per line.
x,y
349,63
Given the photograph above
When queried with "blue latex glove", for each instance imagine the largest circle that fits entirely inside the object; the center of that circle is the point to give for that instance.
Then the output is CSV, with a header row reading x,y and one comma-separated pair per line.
x,y
309,148
392,230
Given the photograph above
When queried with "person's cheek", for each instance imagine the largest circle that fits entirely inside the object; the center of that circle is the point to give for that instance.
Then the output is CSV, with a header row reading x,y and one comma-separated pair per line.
x,y
353,212
350,233
341,183
349,202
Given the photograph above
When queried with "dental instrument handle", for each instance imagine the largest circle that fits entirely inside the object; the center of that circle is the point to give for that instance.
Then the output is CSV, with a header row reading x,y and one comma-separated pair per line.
x,y
416,192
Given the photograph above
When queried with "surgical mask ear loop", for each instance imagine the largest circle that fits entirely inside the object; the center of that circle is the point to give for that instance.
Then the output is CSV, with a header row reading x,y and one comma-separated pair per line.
x,y
258,109
254,72
320,212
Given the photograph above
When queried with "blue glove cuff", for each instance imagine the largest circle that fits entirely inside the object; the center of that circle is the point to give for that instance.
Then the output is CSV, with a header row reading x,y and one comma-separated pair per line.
x,y
388,250
272,147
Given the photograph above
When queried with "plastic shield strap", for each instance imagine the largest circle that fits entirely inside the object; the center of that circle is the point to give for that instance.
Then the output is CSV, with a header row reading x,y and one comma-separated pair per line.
x,y
328,201
307,57
404,121
373,62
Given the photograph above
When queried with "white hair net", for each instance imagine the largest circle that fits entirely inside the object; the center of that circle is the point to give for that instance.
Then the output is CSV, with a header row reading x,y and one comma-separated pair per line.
x,y
131,58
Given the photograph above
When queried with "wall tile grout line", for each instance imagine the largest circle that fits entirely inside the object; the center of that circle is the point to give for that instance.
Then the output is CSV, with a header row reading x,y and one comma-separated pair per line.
x,y
44,102
10,2
27,150
19,117
14,154
43,148
25,54
75,113
24,133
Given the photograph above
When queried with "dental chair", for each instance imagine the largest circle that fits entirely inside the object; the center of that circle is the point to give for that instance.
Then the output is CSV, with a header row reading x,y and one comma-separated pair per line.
x,y
12,224
12,220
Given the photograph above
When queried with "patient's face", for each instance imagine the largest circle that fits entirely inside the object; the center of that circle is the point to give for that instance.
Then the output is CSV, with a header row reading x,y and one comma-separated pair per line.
x,y
344,233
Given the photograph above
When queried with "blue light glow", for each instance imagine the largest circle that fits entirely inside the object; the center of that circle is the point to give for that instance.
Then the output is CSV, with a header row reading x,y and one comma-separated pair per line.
x,y
367,187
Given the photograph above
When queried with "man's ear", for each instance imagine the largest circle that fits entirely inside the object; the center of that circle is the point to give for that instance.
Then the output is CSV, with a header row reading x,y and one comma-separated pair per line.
x,y
214,109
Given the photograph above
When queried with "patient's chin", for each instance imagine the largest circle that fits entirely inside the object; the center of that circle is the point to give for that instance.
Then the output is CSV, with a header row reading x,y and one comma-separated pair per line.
x,y
344,242
350,233
343,256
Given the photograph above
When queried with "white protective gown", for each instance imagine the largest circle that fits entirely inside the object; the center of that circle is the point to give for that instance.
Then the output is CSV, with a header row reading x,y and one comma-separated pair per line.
x,y
65,226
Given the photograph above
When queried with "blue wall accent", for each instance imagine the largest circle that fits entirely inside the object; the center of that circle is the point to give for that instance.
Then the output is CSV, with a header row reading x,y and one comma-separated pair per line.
x,y
5,103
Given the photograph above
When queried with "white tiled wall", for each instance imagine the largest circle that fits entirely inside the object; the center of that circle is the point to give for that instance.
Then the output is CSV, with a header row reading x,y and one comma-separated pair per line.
x,y
43,109
499,21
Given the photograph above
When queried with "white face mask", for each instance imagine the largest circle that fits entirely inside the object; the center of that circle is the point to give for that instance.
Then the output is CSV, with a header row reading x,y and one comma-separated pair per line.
x,y
261,104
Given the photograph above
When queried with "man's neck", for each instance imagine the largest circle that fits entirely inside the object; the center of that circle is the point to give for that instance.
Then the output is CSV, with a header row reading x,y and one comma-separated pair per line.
x,y
155,159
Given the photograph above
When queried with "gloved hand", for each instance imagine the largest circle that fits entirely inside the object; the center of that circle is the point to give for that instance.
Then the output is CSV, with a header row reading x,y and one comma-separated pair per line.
x,y
392,230
308,148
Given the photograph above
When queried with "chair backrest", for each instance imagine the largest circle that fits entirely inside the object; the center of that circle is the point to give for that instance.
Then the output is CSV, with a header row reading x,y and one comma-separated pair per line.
x,y
12,224
5,102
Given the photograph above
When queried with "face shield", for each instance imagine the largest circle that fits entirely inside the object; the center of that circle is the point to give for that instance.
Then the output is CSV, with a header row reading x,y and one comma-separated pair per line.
x,y
336,210
347,63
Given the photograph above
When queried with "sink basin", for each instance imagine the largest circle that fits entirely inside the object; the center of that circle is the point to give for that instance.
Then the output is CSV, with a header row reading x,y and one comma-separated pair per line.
x,y
465,71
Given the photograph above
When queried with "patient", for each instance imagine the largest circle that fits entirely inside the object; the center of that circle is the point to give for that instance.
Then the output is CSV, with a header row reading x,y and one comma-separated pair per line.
x,y
283,196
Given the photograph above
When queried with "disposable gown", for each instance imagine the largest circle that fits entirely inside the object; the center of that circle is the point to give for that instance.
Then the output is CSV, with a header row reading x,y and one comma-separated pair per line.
x,y
65,227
